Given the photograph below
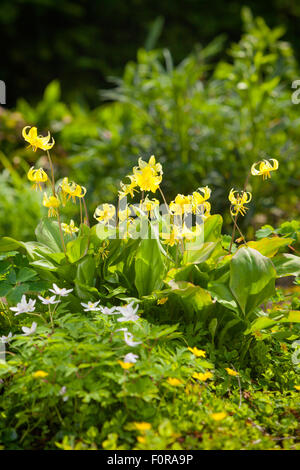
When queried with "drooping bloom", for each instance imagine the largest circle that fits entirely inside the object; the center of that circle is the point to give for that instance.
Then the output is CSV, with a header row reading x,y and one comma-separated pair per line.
x,y
24,306
105,213
173,237
142,426
52,203
108,311
29,331
128,338
238,201
71,190
200,203
71,228
181,205
265,167
61,292
37,177
129,188
148,205
36,141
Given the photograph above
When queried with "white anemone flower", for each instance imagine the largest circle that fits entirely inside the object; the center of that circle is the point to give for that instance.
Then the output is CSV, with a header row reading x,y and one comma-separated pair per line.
x,y
48,300
29,331
6,339
91,306
108,311
24,306
128,338
128,313
61,292
130,357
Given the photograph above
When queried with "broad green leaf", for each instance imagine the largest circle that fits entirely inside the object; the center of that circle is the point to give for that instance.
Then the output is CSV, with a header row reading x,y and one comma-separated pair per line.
x,y
196,296
149,267
269,246
223,295
77,249
212,228
252,278
86,269
9,244
25,274
47,232
287,265
199,255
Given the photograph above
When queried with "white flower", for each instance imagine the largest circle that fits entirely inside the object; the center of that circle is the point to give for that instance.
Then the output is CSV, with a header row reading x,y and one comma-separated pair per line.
x,y
63,392
128,338
23,306
130,358
108,311
5,339
61,292
29,331
48,300
91,306
128,313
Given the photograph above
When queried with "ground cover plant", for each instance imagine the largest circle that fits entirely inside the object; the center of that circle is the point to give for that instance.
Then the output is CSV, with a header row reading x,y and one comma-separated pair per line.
x,y
152,327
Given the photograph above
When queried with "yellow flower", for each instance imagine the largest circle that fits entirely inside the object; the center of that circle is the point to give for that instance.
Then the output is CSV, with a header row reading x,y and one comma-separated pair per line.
x,y
297,387
174,382
125,365
71,190
197,352
265,167
181,205
143,426
162,301
128,188
71,228
198,199
105,213
146,179
36,141
40,374
141,439
52,203
202,377
218,416
232,372
37,177
156,167
238,201
148,205
173,237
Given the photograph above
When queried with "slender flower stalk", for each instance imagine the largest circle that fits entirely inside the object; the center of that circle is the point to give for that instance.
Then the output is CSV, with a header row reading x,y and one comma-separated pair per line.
x,y
54,194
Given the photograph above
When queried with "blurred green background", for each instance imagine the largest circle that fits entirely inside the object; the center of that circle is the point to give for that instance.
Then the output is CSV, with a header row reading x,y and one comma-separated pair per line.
x,y
206,88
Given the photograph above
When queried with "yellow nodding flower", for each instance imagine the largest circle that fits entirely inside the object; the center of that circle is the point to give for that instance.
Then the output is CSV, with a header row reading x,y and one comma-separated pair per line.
x,y
265,167
71,228
148,205
71,190
156,167
37,141
128,188
37,177
173,237
52,203
181,205
200,203
105,213
238,201
143,426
